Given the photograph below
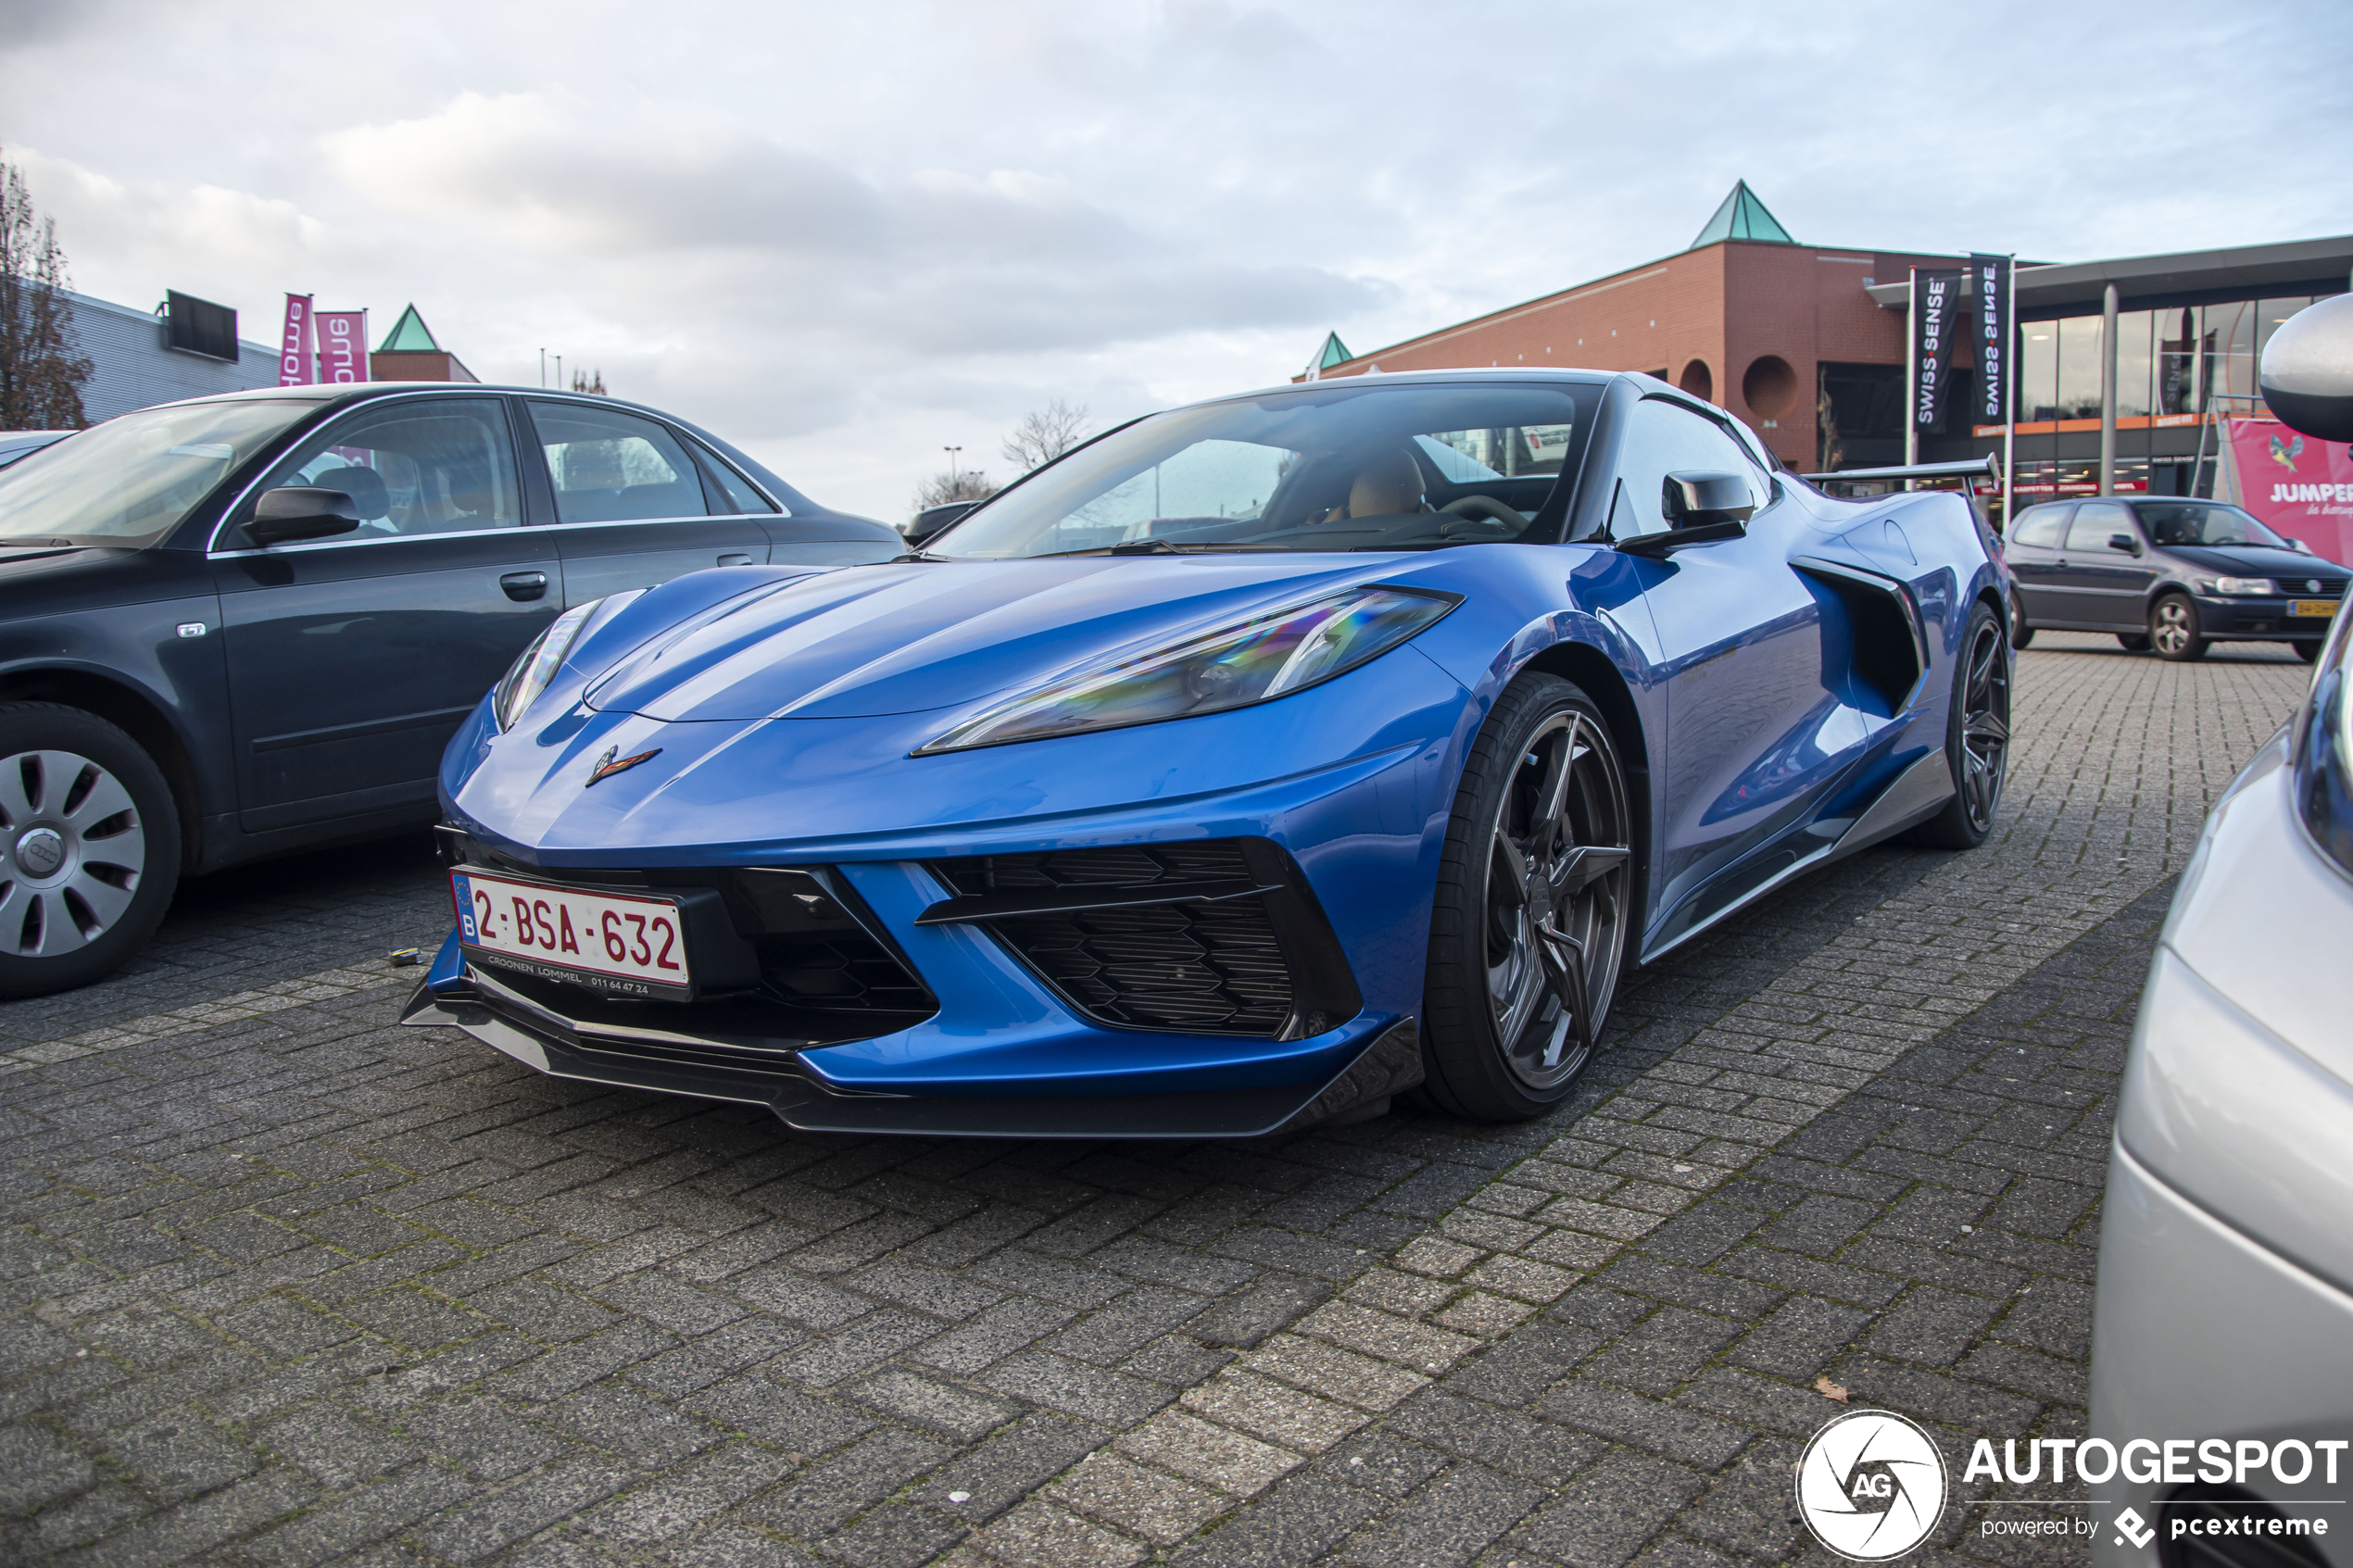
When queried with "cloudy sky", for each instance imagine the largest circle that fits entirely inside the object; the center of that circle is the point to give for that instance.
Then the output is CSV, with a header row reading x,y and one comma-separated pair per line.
x,y
846,236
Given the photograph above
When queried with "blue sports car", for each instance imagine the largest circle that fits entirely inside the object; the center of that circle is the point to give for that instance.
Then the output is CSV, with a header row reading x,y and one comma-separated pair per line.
x,y
1251,764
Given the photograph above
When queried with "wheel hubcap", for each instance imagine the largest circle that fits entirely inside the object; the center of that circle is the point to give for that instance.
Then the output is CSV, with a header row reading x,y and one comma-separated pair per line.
x,y
2173,631
1557,873
75,852
1985,728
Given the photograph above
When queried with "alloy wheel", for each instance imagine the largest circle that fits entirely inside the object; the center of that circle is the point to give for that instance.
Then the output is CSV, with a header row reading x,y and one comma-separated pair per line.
x,y
1556,899
2172,626
72,852
1986,726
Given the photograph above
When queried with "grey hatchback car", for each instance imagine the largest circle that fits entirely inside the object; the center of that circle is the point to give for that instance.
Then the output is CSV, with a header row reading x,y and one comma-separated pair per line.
x,y
2170,574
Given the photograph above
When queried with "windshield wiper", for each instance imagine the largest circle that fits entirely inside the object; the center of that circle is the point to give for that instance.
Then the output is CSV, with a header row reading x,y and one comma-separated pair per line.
x,y
1163,548
916,555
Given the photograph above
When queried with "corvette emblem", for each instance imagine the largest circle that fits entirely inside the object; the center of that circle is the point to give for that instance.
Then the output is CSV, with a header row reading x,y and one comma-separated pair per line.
x,y
611,762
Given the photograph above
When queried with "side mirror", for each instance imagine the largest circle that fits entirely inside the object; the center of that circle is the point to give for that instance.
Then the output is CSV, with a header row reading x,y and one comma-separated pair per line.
x,y
2300,547
2125,543
301,511
932,521
1700,500
2308,370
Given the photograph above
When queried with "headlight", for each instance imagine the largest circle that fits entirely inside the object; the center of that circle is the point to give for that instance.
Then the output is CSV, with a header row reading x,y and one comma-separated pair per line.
x,y
2244,585
529,675
1264,658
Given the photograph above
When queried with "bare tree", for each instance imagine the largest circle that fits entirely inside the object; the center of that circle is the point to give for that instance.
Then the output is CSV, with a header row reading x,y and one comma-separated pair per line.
x,y
1044,434
589,381
969,484
40,377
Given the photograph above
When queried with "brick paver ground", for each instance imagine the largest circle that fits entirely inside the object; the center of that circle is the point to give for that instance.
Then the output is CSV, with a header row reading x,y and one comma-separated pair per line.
x,y
281,1284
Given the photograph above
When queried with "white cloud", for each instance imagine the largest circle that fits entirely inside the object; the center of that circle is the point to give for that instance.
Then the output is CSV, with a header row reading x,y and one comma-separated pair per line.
x,y
846,236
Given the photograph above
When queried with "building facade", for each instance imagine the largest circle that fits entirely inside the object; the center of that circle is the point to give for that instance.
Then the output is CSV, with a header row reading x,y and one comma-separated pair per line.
x,y
1806,345
133,364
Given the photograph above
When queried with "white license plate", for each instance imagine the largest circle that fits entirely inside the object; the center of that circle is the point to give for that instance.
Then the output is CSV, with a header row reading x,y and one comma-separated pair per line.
x,y
617,941
2324,608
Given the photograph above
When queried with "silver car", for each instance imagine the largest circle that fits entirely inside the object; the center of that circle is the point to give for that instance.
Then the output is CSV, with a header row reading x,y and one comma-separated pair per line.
x,y
2222,1341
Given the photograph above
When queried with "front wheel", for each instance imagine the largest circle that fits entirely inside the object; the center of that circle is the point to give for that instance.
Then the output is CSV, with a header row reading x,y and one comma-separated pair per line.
x,y
2132,641
1977,738
89,847
2173,630
1533,906
2020,633
2308,650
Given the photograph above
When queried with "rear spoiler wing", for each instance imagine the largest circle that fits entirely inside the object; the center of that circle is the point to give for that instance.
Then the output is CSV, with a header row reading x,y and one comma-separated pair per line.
x,y
1987,467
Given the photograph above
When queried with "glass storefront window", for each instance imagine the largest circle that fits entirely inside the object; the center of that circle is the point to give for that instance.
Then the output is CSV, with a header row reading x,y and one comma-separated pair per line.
x,y
2133,370
2038,371
2079,367
2229,338
2269,316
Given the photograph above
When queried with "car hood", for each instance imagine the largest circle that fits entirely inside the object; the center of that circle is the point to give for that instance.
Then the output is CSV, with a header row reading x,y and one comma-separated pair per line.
x,y
2257,561
912,636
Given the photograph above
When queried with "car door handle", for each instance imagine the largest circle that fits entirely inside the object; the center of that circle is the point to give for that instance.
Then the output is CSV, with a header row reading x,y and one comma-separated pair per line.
x,y
524,587
734,558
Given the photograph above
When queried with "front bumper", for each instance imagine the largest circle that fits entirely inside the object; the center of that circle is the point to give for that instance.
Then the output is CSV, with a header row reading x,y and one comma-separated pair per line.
x,y
2231,618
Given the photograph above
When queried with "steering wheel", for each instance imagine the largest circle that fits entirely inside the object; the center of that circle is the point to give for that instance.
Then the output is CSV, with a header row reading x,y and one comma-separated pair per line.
x,y
1479,509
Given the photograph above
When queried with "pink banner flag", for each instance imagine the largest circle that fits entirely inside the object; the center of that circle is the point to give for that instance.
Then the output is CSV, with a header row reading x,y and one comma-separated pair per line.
x,y
2302,485
343,345
294,344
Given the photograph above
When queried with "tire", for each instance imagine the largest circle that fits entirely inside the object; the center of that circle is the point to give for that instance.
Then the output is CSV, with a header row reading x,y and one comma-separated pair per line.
x,y
89,847
1977,736
2020,633
2308,650
2173,629
1534,906
2133,642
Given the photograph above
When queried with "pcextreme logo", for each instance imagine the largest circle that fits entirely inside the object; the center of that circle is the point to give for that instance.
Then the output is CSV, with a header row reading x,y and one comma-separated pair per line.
x,y
1870,1485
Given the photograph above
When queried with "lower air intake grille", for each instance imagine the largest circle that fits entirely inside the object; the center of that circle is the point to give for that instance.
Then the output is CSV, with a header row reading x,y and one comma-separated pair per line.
x,y
1263,964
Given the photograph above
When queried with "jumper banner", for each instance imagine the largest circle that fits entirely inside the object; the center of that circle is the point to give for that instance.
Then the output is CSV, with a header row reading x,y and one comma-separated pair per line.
x,y
1991,274
1935,295
343,345
294,344
2298,484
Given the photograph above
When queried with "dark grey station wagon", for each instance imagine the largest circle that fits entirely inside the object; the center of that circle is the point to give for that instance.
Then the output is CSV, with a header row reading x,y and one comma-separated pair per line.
x,y
2170,574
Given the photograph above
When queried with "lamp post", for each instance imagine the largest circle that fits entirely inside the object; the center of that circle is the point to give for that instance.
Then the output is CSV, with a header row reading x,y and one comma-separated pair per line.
x,y
951,452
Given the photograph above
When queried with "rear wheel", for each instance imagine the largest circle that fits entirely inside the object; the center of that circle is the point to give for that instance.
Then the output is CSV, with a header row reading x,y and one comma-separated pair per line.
x,y
2133,642
89,847
1533,906
2020,633
1977,738
2173,630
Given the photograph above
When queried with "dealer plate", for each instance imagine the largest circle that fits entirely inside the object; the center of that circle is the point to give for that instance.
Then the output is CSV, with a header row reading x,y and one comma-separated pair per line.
x,y
613,941
2324,608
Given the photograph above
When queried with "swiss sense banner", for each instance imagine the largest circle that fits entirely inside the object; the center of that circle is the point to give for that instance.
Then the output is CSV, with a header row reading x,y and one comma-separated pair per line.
x,y
2300,485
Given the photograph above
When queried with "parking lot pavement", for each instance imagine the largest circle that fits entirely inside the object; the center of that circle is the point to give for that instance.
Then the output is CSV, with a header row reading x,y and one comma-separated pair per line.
x,y
287,1284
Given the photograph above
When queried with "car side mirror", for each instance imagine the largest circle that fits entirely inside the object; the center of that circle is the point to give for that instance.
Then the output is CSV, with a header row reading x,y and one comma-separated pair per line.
x,y
2300,547
1704,500
932,521
2125,543
301,511
2308,370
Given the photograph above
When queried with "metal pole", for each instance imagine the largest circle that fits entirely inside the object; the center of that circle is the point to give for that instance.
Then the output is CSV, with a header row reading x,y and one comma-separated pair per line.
x,y
2108,391
543,368
1912,375
2010,393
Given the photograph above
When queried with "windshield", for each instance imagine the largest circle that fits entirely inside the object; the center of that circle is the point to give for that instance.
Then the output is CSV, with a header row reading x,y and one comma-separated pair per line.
x,y
2204,522
1341,468
130,481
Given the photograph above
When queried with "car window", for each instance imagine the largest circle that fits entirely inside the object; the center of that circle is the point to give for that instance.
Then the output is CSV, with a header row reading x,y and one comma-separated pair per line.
x,y
130,481
445,465
734,494
2094,520
2040,527
1665,438
2204,522
1355,464
611,467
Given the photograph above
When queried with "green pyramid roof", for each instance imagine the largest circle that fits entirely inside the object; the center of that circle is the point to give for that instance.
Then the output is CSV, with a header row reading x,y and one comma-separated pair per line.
x,y
1334,352
1742,217
409,335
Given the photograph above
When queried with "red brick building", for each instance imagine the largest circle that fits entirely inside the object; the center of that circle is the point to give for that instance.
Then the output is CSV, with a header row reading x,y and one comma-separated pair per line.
x,y
1746,316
